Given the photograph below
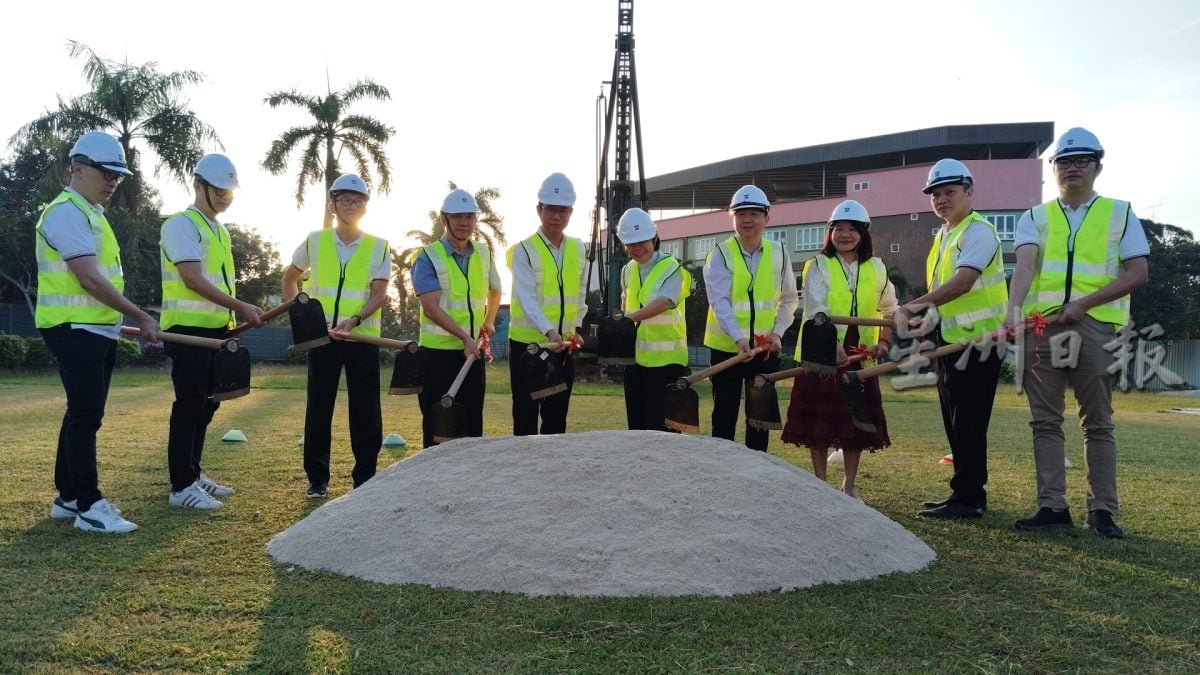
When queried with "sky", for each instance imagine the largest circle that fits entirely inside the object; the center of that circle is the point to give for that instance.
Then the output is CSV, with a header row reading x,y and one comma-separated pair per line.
x,y
501,94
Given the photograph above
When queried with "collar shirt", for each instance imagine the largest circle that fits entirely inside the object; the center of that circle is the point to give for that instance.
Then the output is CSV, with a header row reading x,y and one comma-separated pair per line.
x,y
424,276
1133,242
525,287
977,247
816,293
718,280
345,251
179,241
66,228
670,288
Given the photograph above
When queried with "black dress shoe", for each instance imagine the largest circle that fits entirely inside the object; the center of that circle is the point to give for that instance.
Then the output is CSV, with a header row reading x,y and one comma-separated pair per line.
x,y
953,511
934,505
1047,519
1102,524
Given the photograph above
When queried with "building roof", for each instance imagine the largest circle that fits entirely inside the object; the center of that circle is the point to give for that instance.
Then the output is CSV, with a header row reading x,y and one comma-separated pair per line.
x,y
819,171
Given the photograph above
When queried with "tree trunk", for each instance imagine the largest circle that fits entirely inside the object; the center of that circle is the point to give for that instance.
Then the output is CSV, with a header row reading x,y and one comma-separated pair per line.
x,y
330,176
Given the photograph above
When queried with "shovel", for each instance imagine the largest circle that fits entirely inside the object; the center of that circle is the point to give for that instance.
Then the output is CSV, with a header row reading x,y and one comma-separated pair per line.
x,y
818,340
450,418
682,405
762,400
231,363
540,370
618,340
267,316
309,328
408,368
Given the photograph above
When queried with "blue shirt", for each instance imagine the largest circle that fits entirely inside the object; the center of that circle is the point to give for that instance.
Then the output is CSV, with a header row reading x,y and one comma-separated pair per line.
x,y
424,277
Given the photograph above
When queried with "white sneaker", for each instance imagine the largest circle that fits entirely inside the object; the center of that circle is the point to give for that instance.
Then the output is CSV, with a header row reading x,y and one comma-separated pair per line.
x,y
212,487
836,457
193,497
103,517
61,510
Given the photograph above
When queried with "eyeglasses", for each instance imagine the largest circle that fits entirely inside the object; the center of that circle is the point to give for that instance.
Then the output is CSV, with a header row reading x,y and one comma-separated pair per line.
x,y
220,192
104,172
351,201
1081,162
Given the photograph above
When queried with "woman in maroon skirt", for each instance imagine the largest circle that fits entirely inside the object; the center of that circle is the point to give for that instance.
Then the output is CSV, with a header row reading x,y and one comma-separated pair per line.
x,y
844,279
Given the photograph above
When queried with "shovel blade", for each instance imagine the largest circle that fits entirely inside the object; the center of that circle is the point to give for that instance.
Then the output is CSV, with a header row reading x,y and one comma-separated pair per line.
x,y
449,422
852,391
682,407
542,374
818,345
309,329
407,371
762,406
231,374
618,341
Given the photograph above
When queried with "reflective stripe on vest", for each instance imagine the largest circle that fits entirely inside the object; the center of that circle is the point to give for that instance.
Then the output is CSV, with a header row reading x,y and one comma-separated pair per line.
x,y
981,309
864,301
181,305
344,290
61,298
1070,268
755,296
661,339
463,296
557,289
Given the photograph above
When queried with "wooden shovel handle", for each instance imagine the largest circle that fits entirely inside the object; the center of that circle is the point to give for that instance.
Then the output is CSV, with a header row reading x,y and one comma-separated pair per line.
x,y
860,321
194,340
458,379
722,366
535,347
372,340
268,315
800,370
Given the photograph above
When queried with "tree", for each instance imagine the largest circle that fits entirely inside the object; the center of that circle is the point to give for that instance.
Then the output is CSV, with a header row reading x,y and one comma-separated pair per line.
x,y
332,129
135,103
695,308
490,229
256,261
1170,298
21,202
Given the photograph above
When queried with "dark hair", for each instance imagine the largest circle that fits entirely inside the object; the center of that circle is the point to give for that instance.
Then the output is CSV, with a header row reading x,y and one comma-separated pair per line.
x,y
866,250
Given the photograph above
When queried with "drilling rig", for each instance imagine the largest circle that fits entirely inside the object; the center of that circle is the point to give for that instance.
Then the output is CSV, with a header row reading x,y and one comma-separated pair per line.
x,y
614,196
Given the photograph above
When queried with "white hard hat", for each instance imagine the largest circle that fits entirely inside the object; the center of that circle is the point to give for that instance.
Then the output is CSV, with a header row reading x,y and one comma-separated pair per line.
x,y
749,197
557,190
102,150
636,226
948,172
459,201
1077,141
349,182
850,210
216,170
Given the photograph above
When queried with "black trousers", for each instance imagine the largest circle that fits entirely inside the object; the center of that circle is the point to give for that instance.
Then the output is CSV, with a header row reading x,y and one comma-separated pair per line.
x,y
645,395
325,364
967,395
441,366
727,387
85,365
552,409
193,409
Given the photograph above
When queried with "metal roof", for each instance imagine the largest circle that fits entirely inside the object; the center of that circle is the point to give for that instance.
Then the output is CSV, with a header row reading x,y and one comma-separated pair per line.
x,y
819,171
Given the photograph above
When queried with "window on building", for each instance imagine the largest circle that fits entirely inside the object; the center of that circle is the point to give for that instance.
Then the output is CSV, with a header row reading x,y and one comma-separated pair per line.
x,y
1006,225
672,248
859,187
934,231
913,216
810,238
777,236
895,248
698,248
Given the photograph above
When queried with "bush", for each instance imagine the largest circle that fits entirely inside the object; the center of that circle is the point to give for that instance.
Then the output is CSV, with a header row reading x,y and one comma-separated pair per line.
x,y
12,351
1008,373
386,356
297,356
38,356
128,352
152,355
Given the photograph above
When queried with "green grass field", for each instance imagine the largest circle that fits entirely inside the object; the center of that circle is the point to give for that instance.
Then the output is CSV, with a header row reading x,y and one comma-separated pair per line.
x,y
196,592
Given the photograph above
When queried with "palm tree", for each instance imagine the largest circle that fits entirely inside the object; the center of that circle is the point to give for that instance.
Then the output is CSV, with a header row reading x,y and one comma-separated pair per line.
x,y
133,103
363,137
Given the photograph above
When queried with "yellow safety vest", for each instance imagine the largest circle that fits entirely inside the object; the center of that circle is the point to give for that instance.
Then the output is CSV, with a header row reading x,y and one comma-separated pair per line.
x,y
61,298
661,339
463,296
557,288
863,301
1070,267
755,296
344,290
181,305
981,309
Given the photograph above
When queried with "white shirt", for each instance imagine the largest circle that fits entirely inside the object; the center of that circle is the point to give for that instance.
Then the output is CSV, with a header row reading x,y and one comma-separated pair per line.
x,y
66,228
977,246
178,239
816,290
718,280
670,287
1133,242
344,252
525,286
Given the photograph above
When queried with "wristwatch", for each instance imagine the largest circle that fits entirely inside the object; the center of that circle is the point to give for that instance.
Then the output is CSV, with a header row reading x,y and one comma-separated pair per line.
x,y
357,319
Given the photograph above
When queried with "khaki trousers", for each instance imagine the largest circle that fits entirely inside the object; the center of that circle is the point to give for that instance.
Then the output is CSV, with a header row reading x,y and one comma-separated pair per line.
x,y
1046,387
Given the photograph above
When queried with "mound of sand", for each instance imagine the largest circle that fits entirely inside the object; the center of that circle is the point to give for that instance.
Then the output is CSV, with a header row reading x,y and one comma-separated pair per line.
x,y
606,513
